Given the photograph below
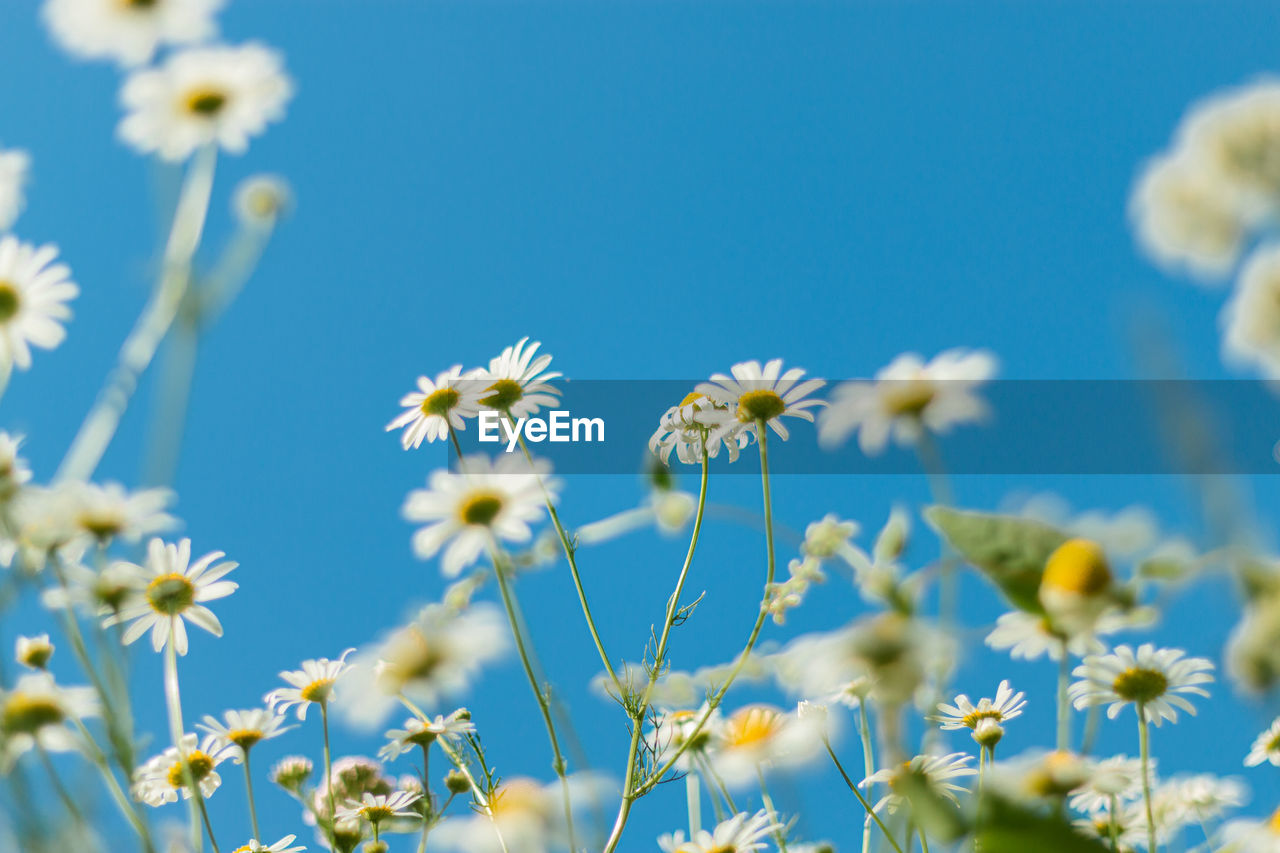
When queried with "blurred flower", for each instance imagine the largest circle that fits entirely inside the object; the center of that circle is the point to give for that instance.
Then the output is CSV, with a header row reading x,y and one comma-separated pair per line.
x,y
1251,319
34,652
1196,799
108,511
33,295
313,683
1118,778
674,728
261,199
244,729
516,382
1029,636
1151,679
436,406
14,166
936,771
291,772
203,96
14,470
1075,587
1038,776
755,395
163,778
742,833
93,593
1253,836
1266,746
128,31
757,736
35,712
527,815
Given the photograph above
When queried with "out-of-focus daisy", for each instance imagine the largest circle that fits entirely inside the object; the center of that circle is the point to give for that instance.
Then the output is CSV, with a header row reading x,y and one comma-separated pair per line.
x,y
260,200
1251,319
376,808
830,537
418,733
1152,680
674,728
33,652
1266,746
762,735
245,729
203,96
908,398
1117,778
36,711
437,654
14,470
34,292
1075,587
686,429
109,511
1236,134
94,593
175,591
281,846
742,833
163,778
528,817
1128,827
128,31
517,382
493,500
987,718
936,771
313,683
1198,798
1037,776
436,406
1253,836
1028,636
14,165
292,772
753,395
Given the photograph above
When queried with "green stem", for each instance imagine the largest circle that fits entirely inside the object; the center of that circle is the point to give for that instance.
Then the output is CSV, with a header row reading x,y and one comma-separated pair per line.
x,y
248,787
779,835
862,800
1064,702
67,801
868,766
1114,828
426,795
173,700
720,785
693,799
122,801
328,776
1144,749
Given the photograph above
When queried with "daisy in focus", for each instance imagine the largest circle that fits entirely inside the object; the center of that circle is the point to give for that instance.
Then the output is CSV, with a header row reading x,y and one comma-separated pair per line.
x,y
312,684
419,733
742,833
437,406
128,31
375,808
14,166
907,399
204,96
34,292
163,778
753,396
986,719
493,501
244,729
36,712
1266,746
1153,680
171,591
517,381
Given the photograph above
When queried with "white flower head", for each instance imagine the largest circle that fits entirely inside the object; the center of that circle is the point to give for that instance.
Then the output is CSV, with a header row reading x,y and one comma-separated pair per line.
x,y
14,166
437,406
674,728
419,734
244,729
33,652
755,395
1266,746
1118,778
174,593
128,31
375,808
260,200
686,429
936,771
281,846
517,381
1251,318
1153,680
163,778
491,501
36,711
528,817
1028,636
202,96
34,292
106,512
1198,798
980,718
312,683
742,833
14,470
761,734
1253,836
908,398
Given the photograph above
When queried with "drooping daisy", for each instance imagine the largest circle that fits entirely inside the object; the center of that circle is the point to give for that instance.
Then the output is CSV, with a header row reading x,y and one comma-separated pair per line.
x,y
312,684
33,652
34,292
1266,746
163,778
518,383
1153,680
201,96
754,395
528,817
376,808
175,591
1251,318
128,31
936,771
742,833
108,511
36,712
14,165
762,735
281,846
908,398
1118,778
418,733
987,718
493,500
244,729
436,655
686,429
438,405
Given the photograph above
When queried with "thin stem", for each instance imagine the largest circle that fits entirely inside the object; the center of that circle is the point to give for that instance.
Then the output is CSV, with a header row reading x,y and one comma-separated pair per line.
x,y
1144,748
868,766
924,842
68,801
780,834
426,794
328,775
173,700
1064,703
208,826
248,787
720,785
122,801
1114,826
693,798
699,760
871,813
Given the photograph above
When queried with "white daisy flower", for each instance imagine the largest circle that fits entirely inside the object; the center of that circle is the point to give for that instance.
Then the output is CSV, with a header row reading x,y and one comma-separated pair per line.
x,y
438,654
1236,134
128,31
94,593
1253,836
244,729
1118,777
755,395
14,470
421,734
742,833
986,719
1266,746
1251,318
175,591
1198,798
202,96
281,846
493,500
261,200
1130,828
937,771
1028,636
376,808
34,292
528,817
673,728
686,428
163,778
313,683
291,772
516,382
436,406
1153,680
908,398
1037,776
762,735
14,166
33,652
108,511
36,711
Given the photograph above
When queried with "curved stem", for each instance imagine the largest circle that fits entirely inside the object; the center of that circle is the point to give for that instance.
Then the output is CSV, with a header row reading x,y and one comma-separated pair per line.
x,y
871,813
68,801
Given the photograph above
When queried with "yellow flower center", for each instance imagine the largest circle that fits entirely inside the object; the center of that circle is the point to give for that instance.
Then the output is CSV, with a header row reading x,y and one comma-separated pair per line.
x,y
103,525
27,714
976,716
10,302
480,508
1136,684
318,690
199,764
506,393
439,402
171,594
139,4
760,405
246,738
908,398
1077,566
691,397
1273,823
206,103
1273,744
724,848
752,725
376,814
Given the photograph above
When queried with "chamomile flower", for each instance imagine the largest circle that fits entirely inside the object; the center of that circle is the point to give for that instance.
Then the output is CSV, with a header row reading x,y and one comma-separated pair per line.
x,y
312,684
1118,778
762,735
686,430
106,512
14,165
517,382
1153,680
36,711
245,729
128,31
14,470
674,728
754,395
438,406
1028,636
376,808
1253,836
34,292
203,96
1038,776
528,817
1266,746
985,719
419,733
907,399
163,778
936,771
492,501
94,593
34,652
292,772
260,200
1251,319
174,593
281,846
742,833
1199,798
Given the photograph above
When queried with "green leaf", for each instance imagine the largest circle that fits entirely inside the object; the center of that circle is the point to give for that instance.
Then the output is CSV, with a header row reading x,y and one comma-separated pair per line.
x,y
1005,827
1009,550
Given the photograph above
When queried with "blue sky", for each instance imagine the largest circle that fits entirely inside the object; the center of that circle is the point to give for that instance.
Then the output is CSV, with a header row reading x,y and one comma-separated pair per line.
x,y
656,191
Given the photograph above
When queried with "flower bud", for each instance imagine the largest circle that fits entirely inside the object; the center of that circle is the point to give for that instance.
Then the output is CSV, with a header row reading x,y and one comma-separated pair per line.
x,y
34,652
